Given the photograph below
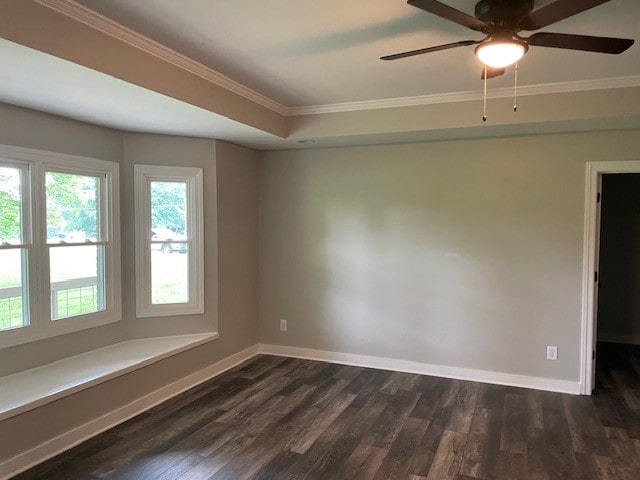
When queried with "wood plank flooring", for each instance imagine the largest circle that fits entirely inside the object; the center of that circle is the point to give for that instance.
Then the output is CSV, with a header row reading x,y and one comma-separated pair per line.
x,y
282,418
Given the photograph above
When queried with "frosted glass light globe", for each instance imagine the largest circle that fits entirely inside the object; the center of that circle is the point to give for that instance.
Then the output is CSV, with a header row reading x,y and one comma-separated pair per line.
x,y
500,53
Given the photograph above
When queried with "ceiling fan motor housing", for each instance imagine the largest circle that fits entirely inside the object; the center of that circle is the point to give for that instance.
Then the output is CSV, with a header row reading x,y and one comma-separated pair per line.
x,y
503,14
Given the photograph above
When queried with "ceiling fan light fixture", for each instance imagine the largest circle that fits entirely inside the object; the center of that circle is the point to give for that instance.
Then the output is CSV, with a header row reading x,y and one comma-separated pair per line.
x,y
501,52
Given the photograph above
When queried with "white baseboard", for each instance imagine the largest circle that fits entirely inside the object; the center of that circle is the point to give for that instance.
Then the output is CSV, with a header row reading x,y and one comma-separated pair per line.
x,y
70,439
619,338
484,376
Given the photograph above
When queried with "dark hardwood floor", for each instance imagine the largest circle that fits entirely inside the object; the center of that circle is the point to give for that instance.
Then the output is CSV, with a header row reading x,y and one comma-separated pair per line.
x,y
281,418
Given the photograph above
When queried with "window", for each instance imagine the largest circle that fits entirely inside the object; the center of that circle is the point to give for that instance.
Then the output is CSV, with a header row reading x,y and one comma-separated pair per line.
x,y
59,244
169,241
76,250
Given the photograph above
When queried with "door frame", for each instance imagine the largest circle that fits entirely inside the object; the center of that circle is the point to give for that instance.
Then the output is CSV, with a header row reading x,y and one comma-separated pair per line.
x,y
591,254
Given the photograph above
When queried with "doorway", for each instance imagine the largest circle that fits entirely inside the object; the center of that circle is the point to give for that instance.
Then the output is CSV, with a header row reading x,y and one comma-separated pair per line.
x,y
611,272
618,311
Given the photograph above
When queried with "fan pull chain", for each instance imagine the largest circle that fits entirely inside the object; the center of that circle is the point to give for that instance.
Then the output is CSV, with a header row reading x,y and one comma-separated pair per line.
x,y
484,98
515,91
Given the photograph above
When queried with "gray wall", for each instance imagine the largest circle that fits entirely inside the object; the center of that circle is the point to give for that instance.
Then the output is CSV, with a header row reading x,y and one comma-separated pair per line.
x,y
234,208
237,245
462,253
619,295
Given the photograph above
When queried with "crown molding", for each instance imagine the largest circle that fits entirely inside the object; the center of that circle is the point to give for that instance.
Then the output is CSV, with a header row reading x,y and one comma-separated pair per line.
x,y
526,90
99,22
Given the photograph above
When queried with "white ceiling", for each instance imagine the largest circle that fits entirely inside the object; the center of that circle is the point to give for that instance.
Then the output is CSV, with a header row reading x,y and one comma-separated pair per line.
x,y
303,52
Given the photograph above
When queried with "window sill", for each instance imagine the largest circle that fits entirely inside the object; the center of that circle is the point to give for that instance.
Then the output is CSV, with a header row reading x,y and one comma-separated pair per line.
x,y
38,386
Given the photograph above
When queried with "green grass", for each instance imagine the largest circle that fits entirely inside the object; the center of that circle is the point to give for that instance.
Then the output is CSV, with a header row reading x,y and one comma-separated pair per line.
x,y
8,281
11,313
76,301
169,283
169,293
10,308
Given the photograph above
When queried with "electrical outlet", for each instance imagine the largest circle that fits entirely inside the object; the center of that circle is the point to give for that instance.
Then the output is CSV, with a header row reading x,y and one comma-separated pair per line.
x,y
552,352
283,325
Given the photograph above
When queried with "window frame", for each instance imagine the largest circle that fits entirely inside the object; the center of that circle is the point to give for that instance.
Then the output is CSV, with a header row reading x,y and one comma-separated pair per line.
x,y
193,177
37,163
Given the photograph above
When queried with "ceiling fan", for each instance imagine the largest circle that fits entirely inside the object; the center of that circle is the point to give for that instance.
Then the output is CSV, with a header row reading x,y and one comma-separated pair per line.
x,y
502,20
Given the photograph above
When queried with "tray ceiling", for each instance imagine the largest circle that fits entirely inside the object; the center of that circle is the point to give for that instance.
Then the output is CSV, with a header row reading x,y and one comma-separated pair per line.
x,y
302,53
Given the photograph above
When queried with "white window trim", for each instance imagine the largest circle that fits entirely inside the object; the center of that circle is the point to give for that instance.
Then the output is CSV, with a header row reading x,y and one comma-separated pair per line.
x,y
41,326
193,177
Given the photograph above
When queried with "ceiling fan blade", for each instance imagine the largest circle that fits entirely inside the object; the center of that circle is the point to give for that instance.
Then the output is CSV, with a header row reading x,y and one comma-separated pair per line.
x,y
449,13
556,11
492,72
437,48
580,42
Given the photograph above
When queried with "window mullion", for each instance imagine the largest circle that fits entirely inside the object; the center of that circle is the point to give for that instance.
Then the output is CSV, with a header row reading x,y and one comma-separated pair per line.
x,y
10,246
39,265
28,259
76,244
